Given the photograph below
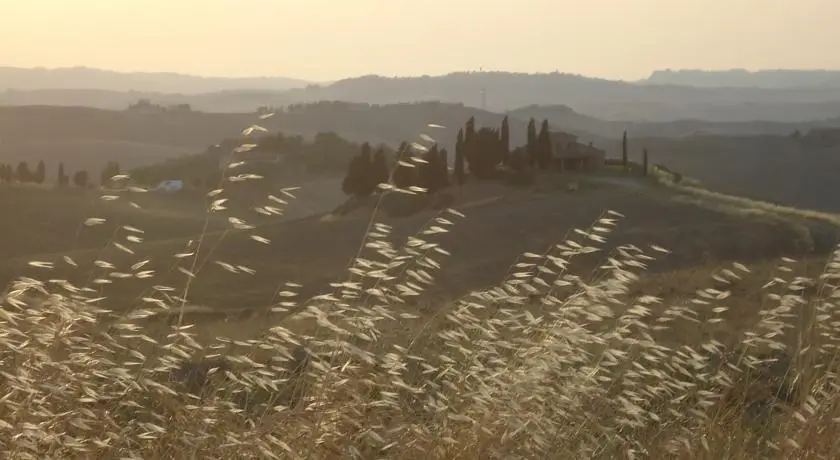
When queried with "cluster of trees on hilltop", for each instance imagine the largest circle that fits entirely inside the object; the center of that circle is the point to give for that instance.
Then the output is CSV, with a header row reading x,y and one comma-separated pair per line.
x,y
483,151
428,169
23,174
479,152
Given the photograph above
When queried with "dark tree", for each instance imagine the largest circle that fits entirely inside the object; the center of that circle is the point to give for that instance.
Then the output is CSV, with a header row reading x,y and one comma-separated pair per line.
x,y
5,173
379,168
405,170
505,140
544,147
531,147
63,180
644,162
518,160
367,183
624,150
460,172
23,172
443,168
429,172
471,149
359,179
486,145
40,173
81,179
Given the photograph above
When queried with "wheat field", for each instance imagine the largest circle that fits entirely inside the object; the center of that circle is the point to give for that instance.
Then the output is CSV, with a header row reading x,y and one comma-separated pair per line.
x,y
548,363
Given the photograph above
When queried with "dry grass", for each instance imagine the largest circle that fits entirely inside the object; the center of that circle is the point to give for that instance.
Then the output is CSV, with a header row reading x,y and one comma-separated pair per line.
x,y
549,363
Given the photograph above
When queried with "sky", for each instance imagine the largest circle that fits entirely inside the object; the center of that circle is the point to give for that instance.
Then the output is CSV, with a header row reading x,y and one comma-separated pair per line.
x,y
323,40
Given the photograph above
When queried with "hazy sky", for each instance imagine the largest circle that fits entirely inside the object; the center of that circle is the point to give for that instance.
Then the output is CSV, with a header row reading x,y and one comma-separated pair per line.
x,y
326,40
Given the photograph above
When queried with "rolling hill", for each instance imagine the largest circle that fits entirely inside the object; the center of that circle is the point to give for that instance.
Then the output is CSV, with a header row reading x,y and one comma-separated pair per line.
x,y
85,78
496,91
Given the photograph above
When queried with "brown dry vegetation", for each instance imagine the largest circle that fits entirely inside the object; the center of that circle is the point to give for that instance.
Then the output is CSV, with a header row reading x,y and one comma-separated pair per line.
x,y
529,326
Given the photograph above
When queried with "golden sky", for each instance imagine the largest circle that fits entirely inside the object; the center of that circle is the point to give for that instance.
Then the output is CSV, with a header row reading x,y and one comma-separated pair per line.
x,y
326,40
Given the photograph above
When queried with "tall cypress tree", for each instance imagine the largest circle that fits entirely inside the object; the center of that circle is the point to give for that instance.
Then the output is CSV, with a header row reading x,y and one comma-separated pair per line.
x,y
460,173
470,141
624,160
62,176
544,147
505,139
531,146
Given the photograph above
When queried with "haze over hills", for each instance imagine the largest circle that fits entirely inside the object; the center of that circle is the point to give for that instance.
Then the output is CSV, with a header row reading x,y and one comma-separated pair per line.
x,y
742,78
495,91
85,78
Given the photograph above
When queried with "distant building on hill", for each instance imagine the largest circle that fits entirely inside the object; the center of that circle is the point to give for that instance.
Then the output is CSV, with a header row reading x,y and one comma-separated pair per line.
x,y
569,154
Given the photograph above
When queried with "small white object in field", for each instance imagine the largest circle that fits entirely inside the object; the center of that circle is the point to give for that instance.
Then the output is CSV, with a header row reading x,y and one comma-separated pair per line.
x,y
572,186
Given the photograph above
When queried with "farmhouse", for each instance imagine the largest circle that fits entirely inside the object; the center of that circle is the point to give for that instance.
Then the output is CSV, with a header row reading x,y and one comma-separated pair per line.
x,y
569,154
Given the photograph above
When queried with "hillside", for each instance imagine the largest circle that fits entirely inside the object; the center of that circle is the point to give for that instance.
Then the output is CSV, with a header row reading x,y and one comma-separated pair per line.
x,y
567,119
520,219
606,99
781,169
85,78
88,138
741,78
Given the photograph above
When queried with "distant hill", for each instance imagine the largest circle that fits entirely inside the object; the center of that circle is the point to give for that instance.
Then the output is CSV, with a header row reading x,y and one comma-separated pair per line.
x,y
741,78
498,92
572,121
88,138
84,78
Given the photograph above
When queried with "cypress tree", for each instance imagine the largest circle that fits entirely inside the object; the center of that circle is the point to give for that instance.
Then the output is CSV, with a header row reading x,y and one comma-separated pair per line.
x,y
544,147
531,146
505,139
624,150
40,173
644,162
471,148
460,173
62,176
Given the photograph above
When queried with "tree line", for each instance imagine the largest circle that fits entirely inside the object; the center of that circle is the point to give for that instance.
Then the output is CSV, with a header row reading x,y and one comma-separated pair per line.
x,y
23,174
482,153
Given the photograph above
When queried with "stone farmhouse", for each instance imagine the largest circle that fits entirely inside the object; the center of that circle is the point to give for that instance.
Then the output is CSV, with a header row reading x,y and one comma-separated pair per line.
x,y
570,155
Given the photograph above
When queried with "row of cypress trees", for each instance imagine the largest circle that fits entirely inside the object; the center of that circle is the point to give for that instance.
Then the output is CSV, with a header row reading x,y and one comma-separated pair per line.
x,y
25,175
